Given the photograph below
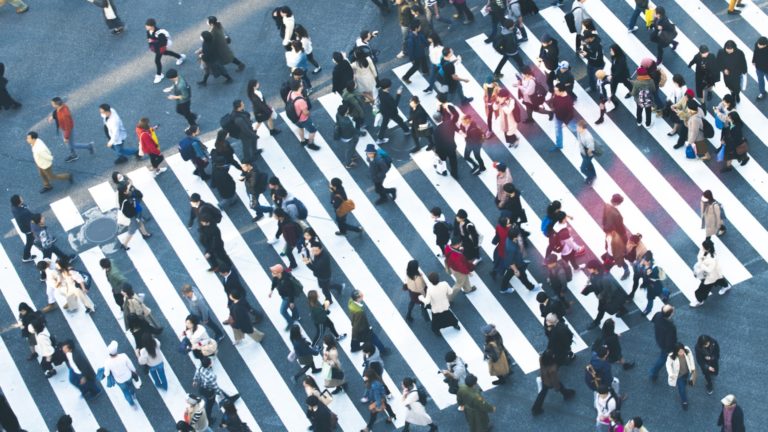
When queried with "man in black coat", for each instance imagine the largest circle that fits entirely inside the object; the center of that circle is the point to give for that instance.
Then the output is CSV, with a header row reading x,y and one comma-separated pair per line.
x,y
560,339
342,73
213,245
760,61
549,53
548,305
707,72
322,419
733,65
666,337
506,45
82,374
230,278
420,125
321,268
388,109
23,217
610,296
240,319
445,143
202,210
378,168
245,133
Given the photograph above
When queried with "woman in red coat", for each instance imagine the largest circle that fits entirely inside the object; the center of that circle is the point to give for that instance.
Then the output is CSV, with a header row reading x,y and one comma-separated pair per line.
x,y
149,145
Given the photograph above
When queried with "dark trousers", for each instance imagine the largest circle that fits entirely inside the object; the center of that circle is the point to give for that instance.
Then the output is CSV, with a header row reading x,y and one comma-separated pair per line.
x,y
508,274
29,240
357,345
702,292
615,85
288,251
702,88
158,57
119,299
530,108
707,375
505,57
463,11
473,150
212,326
639,114
326,286
184,108
421,63
210,400
374,414
412,304
200,168
320,329
385,124
341,222
453,164
155,159
543,394
382,191
417,139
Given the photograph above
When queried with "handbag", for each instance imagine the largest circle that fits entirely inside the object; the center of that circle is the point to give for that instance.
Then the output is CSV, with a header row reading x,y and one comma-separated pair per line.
x,y
721,153
346,206
440,166
690,153
210,348
372,407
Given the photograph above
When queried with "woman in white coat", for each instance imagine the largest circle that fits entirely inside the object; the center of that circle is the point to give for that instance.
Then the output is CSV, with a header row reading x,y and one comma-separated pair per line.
x,y
681,370
707,270
365,74
416,413
439,295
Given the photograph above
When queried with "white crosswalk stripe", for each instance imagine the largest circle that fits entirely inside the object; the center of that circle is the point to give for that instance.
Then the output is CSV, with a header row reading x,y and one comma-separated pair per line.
x,y
264,369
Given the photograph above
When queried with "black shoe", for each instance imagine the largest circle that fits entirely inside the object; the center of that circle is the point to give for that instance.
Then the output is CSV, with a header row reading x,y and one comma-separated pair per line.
x,y
734,12
313,146
599,121
46,189
408,318
257,218
274,132
488,40
551,116
744,161
677,146
338,390
393,194
240,67
685,404
202,83
537,411
229,80
120,160
31,258
628,365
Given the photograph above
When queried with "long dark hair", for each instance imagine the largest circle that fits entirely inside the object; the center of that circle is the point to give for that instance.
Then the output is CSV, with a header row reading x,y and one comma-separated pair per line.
x,y
709,247
703,340
295,334
609,328
412,270
149,344
678,346
617,51
250,89
300,31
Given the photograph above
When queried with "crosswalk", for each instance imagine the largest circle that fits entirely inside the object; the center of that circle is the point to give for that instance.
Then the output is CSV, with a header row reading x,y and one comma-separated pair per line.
x,y
661,190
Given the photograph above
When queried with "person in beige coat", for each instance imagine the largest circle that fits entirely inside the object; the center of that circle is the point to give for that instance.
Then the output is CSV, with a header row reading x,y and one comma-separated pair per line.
x,y
71,283
132,305
439,295
707,270
44,161
681,370
695,127
711,215
416,287
503,176
498,364
334,376
504,108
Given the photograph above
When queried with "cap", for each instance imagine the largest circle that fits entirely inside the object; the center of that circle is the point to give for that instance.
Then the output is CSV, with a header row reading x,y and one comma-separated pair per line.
x,y
563,65
690,93
112,348
370,148
728,400
617,199
277,268
488,329
500,166
642,71
647,62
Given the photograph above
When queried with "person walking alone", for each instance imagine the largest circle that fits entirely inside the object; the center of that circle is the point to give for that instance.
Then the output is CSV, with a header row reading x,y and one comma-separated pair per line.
x,y
62,117
149,145
731,417
707,270
549,379
222,41
182,94
665,333
159,41
121,370
682,371
587,150
44,161
23,218
116,134
708,358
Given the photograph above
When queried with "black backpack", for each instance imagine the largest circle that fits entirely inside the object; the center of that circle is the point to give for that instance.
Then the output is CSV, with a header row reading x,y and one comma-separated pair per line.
x,y
423,396
227,122
290,109
570,20
709,131
210,213
301,209
260,182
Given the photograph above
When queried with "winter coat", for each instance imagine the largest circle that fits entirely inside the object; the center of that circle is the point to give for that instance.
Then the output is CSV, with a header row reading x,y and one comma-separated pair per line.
x,y
416,46
665,332
594,53
707,71
342,74
457,261
707,268
560,338
476,408
505,112
643,82
695,127
549,376
709,357
550,55
736,65
416,414
737,420
221,45
361,329
673,367
365,76
619,68
501,180
220,177
438,296
500,367
711,217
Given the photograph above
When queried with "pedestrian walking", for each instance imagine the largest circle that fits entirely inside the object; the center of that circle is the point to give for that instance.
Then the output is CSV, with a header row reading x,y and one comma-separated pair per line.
x,y
416,49
610,339
159,41
473,138
6,100
28,317
514,264
635,425
296,60
592,51
150,355
476,409
195,338
297,110
438,296
611,297
342,72
320,318
643,88
72,284
116,134
733,4
548,305
508,112
255,184
587,151
240,319
681,369
43,159
192,149
463,12
697,139
262,112
195,413
605,404
441,229
210,58
361,329
321,418
239,125
197,306
182,94
416,288
507,45
203,211
222,42
459,266
420,125
678,109
455,372
8,419
559,338
711,215
562,104
290,231
213,245
45,240
470,239
707,352
733,65
150,145
114,23
378,166
81,374
759,61
303,351
665,333
445,143
288,288
549,379
534,94
119,370
707,270
616,235
707,73
343,206
133,305
450,78
44,346
23,218
388,109
375,396
498,363
640,7
735,144
559,273
663,33
332,372
356,102
414,401
731,415
62,117
128,200
497,9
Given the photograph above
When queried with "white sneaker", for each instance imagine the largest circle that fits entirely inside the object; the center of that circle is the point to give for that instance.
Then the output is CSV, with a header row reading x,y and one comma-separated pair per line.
x,y
509,290
400,54
167,89
382,141
180,61
696,304
273,241
536,287
633,29
160,171
158,78
725,290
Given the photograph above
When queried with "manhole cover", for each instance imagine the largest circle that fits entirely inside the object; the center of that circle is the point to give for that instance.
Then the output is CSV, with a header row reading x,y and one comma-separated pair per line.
x,y
100,230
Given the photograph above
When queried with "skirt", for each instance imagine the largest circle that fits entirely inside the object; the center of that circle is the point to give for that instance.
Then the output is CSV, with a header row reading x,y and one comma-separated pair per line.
x,y
443,319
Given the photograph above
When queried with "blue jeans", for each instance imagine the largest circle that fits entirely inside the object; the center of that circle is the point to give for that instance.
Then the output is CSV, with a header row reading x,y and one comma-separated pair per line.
x,y
633,19
73,145
762,77
128,391
559,130
433,76
660,362
682,384
120,150
158,376
587,168
291,318
592,79
88,390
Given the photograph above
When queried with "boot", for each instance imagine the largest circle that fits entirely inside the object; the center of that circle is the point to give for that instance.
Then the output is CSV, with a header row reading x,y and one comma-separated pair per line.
x,y
602,115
